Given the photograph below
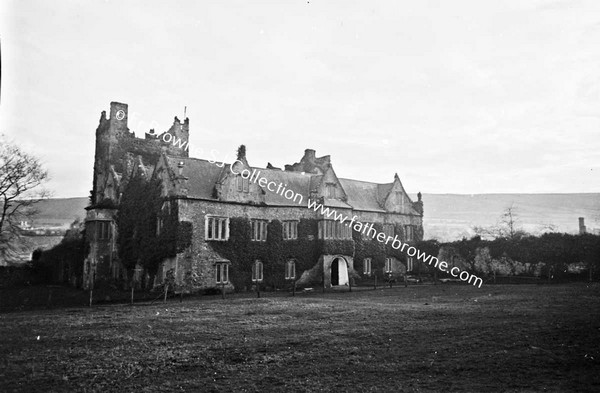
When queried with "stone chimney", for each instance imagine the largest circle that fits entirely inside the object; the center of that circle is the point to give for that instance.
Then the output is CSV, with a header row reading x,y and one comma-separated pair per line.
x,y
310,155
582,229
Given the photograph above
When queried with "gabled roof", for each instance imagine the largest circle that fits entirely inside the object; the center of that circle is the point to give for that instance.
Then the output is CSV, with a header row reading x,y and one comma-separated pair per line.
x,y
201,177
297,182
363,195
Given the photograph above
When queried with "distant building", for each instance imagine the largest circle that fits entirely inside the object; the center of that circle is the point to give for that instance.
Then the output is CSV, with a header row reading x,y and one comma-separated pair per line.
x,y
583,229
211,199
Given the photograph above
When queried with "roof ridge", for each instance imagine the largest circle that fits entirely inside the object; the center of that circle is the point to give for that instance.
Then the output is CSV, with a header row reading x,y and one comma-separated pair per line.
x,y
365,181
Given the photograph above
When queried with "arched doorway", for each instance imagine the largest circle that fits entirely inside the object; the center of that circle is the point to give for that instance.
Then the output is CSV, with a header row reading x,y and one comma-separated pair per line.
x,y
339,271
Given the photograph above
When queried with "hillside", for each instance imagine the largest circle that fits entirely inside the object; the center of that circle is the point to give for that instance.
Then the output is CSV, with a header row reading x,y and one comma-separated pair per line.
x,y
59,212
447,216
450,216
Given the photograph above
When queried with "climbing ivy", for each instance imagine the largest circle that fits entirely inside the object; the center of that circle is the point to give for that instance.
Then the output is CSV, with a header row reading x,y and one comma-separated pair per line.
x,y
275,251
369,248
139,211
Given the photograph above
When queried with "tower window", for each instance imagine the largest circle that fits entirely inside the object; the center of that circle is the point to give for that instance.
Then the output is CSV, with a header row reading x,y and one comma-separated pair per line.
x,y
103,230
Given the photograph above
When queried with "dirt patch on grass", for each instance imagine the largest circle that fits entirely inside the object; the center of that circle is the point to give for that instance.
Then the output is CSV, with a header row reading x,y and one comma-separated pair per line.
x,y
421,338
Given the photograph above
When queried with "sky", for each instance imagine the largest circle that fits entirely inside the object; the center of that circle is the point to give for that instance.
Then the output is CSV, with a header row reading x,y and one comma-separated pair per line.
x,y
456,97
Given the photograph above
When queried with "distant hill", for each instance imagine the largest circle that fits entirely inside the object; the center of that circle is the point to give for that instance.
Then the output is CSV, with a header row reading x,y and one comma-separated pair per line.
x,y
447,216
59,212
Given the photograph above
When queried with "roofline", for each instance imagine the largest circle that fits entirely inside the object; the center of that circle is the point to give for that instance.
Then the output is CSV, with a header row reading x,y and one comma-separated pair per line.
x,y
295,205
293,173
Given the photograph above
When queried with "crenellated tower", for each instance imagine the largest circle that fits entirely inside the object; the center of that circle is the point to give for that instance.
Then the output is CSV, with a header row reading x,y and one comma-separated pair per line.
x,y
118,156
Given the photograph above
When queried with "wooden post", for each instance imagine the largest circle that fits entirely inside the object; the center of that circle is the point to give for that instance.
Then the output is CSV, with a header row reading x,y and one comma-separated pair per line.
x,y
91,296
405,282
375,286
166,291
323,277
132,293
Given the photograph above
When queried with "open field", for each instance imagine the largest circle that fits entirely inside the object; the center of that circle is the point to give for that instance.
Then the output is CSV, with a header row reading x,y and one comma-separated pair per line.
x,y
507,338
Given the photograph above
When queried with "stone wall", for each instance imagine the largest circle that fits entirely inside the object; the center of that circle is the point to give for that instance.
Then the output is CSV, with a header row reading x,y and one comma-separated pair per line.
x,y
196,264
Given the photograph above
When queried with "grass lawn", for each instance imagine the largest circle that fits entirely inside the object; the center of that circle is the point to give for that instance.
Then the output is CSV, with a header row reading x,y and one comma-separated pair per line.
x,y
510,338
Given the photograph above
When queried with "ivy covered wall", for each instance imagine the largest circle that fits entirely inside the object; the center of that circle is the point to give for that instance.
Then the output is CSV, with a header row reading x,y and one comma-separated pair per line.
x,y
275,251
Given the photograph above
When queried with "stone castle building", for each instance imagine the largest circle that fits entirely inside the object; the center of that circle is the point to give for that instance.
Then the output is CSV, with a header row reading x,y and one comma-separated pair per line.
x,y
239,232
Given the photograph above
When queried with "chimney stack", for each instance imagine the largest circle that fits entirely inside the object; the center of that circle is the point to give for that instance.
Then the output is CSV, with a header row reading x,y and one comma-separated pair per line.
x,y
310,154
582,230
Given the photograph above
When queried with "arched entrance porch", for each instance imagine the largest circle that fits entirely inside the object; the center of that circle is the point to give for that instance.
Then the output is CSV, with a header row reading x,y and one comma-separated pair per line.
x,y
339,271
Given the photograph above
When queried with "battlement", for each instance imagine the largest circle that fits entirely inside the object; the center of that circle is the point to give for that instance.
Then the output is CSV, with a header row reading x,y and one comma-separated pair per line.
x,y
117,148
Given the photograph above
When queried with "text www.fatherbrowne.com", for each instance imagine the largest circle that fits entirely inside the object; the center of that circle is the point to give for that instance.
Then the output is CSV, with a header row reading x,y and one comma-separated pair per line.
x,y
367,229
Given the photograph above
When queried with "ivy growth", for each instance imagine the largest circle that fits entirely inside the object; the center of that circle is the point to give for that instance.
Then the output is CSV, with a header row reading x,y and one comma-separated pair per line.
x,y
138,242
275,252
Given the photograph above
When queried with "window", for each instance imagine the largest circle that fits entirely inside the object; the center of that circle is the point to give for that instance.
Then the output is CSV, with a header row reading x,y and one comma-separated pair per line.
x,y
216,228
388,265
409,264
257,271
367,266
159,225
222,272
409,231
330,190
290,270
334,230
243,185
259,230
290,230
400,199
388,229
103,230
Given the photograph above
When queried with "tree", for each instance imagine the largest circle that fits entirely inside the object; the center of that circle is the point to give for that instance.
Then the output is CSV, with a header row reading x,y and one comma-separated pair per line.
x,y
21,180
508,227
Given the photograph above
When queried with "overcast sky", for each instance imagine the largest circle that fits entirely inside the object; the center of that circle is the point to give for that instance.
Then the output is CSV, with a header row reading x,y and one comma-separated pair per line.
x,y
454,96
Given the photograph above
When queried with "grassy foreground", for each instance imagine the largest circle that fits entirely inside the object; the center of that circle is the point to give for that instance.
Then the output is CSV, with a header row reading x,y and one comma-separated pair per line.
x,y
508,338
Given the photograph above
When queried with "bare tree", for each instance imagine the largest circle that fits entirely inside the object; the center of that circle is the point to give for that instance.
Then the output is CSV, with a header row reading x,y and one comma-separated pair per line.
x,y
507,227
21,180
509,222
